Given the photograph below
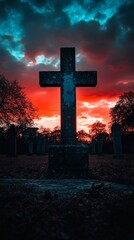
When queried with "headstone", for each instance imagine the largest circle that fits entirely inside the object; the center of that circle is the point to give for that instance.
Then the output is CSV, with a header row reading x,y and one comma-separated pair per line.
x,y
68,157
11,141
44,145
93,146
39,143
30,135
21,144
2,141
117,141
100,144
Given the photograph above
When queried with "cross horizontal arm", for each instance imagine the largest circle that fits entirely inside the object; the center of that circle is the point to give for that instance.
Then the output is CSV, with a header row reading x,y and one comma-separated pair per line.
x,y
50,79
86,78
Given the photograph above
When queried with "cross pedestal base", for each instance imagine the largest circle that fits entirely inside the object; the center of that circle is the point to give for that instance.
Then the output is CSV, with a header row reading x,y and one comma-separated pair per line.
x,y
68,161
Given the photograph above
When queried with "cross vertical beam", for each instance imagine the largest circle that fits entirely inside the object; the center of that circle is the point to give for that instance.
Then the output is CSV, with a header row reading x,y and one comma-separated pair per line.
x,y
67,56
68,96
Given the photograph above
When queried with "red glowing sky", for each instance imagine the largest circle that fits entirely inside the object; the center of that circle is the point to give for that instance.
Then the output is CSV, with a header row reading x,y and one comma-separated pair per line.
x,y
102,33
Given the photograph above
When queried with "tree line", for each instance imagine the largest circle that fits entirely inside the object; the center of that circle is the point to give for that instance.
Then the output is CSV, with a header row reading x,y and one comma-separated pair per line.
x,y
16,108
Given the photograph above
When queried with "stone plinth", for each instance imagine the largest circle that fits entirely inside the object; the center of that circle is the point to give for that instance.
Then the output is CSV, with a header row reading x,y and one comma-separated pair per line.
x,y
67,161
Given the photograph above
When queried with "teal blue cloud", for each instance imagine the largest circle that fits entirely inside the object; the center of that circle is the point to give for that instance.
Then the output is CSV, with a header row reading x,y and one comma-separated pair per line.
x,y
102,32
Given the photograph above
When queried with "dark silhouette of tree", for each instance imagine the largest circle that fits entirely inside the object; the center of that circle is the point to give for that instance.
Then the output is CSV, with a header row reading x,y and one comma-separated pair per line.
x,y
97,128
82,136
15,107
123,111
56,135
45,131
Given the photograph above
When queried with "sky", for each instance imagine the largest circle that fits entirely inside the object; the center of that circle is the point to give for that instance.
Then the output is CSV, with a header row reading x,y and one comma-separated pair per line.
x,y
102,32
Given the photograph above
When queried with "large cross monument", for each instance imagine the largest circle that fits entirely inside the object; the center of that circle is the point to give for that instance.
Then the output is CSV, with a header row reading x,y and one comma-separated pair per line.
x,y
68,158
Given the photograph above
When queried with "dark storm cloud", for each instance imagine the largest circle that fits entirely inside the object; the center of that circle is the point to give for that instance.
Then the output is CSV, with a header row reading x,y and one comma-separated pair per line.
x,y
123,48
42,30
46,26
5,56
121,58
112,48
43,33
95,41
9,66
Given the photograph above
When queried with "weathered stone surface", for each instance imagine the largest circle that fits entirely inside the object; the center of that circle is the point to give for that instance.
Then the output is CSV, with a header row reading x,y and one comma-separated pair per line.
x,y
2,140
12,149
30,135
93,147
68,79
39,144
68,161
68,158
117,141
100,144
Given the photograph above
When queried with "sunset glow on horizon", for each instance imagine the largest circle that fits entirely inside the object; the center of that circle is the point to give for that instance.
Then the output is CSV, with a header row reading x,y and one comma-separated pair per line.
x,y
88,111
102,32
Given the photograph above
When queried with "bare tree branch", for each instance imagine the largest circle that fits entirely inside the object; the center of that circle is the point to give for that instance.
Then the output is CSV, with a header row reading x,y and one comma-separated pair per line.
x,y
15,107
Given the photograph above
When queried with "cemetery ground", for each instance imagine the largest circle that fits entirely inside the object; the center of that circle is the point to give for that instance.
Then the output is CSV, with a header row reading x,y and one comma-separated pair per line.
x,y
97,212
104,168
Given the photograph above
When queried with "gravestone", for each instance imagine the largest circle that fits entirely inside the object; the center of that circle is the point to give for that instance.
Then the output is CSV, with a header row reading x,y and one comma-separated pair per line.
x,y
44,145
11,141
117,141
39,144
2,141
30,134
100,144
93,146
68,158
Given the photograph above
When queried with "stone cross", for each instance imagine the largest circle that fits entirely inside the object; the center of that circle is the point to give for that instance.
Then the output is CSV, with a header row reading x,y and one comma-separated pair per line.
x,y
68,79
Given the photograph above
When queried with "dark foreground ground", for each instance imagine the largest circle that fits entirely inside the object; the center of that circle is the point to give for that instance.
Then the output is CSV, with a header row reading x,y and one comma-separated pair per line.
x,y
95,214
102,168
